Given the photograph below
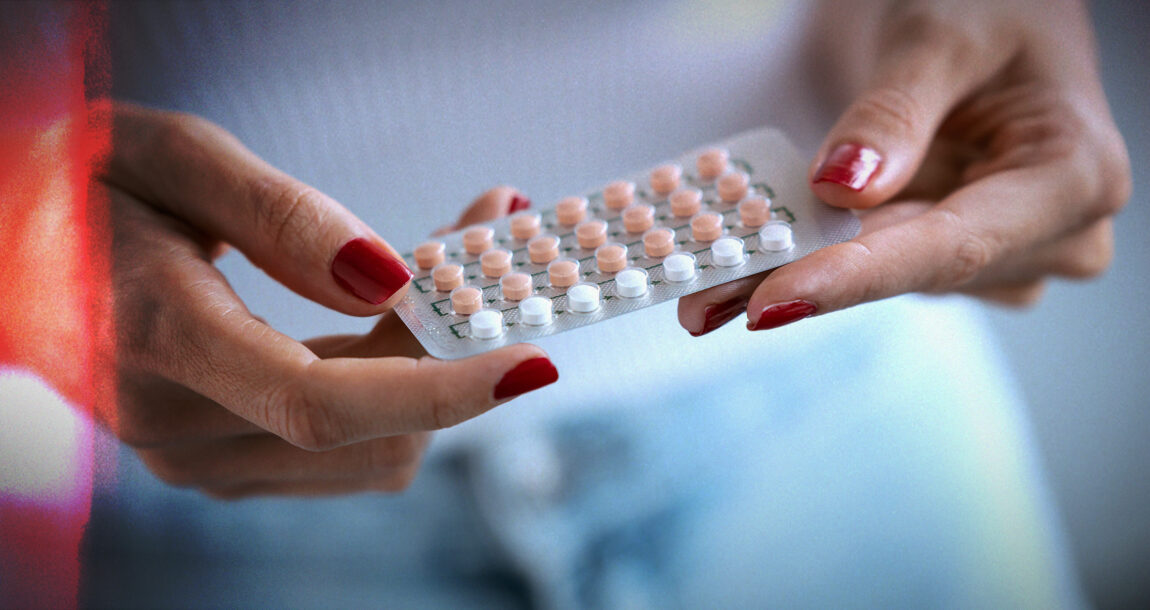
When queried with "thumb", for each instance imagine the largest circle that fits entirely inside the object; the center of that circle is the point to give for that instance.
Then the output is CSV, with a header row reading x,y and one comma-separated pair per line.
x,y
200,173
879,142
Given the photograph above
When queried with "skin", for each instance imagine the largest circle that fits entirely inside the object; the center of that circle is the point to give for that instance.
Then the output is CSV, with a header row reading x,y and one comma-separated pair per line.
x,y
1002,166
209,395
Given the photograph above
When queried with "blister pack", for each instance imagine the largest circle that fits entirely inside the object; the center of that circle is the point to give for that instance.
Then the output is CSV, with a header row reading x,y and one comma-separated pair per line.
x,y
713,215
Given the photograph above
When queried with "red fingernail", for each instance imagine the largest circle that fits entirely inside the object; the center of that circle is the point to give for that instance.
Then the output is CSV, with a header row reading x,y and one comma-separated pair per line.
x,y
850,165
774,316
526,376
519,202
718,314
366,270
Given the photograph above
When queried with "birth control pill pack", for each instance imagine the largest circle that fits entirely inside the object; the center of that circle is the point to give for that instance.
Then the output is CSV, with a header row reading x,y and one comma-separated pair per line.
x,y
716,214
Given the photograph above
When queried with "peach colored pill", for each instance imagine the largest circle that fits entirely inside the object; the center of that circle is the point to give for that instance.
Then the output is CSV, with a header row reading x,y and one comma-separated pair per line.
x,y
611,258
525,225
619,194
478,239
659,242
665,178
515,286
466,300
428,254
543,249
732,186
495,262
563,272
707,226
686,202
712,163
638,218
447,276
571,210
591,233
754,211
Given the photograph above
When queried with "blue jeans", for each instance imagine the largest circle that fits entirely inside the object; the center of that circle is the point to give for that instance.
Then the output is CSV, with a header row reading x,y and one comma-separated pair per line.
x,y
880,460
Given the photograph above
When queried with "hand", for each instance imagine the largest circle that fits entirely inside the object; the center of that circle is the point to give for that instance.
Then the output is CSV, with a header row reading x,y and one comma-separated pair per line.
x,y
212,397
978,147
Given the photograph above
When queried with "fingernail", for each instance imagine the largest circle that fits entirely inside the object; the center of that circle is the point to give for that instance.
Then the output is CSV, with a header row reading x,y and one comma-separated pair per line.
x,y
780,314
526,376
366,270
850,165
718,314
518,203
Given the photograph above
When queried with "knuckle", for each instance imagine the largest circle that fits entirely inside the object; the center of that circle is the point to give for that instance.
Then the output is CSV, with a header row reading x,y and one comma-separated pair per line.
x,y
970,254
1090,257
893,111
288,211
300,420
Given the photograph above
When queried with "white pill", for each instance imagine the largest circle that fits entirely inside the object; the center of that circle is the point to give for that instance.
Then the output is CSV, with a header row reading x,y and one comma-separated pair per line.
x,y
486,324
727,251
631,283
535,311
583,297
679,267
776,236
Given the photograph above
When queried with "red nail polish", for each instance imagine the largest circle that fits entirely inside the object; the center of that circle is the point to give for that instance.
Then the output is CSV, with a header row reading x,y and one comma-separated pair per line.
x,y
366,270
780,314
718,314
526,376
850,165
519,203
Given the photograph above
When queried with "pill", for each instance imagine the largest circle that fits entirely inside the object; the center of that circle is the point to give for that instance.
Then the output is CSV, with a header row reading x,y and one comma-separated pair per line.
x,y
591,233
679,267
428,254
611,257
685,202
447,276
563,272
754,211
776,236
525,225
543,249
583,297
619,194
571,210
515,286
478,239
727,251
665,178
631,282
495,262
732,186
535,311
638,217
712,163
707,226
486,324
658,242
466,300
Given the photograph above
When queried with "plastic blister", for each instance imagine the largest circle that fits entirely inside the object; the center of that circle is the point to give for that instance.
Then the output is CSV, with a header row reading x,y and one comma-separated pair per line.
x,y
754,183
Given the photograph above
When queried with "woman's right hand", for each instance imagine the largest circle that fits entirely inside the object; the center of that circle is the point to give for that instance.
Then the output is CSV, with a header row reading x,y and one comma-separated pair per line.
x,y
212,397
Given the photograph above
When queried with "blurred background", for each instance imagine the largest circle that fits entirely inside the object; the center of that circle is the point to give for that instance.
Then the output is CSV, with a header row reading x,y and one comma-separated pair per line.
x,y
1082,354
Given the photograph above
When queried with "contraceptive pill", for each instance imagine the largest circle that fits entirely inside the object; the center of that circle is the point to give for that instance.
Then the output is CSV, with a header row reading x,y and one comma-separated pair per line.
x,y
640,240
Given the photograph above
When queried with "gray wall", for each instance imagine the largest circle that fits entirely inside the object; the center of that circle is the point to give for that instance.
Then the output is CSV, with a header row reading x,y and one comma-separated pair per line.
x,y
1081,356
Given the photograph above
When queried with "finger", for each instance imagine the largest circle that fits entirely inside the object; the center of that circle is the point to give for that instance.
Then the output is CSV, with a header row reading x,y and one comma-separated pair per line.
x,y
1018,295
198,172
267,458
927,64
497,202
710,309
394,483
154,412
943,248
200,335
